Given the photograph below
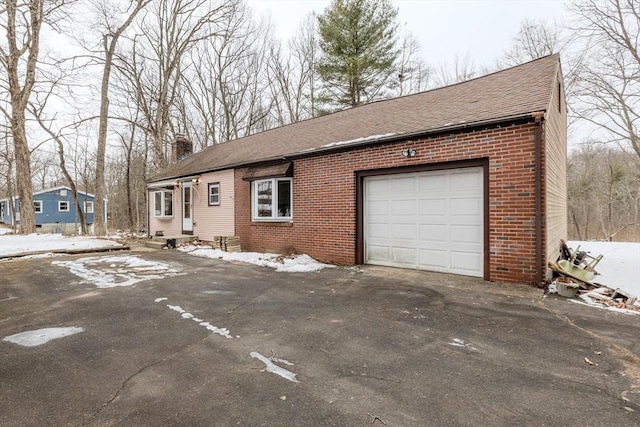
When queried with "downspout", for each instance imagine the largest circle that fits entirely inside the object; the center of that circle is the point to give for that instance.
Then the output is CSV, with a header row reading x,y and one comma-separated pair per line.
x,y
146,196
539,117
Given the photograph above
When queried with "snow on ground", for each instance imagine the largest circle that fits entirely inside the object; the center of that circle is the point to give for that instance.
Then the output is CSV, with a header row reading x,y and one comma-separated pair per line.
x,y
41,336
4,230
123,270
620,265
208,326
273,368
289,264
16,244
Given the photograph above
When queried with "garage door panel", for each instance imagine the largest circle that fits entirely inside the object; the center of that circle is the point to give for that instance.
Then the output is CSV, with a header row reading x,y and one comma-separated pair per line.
x,y
465,262
378,186
433,183
379,230
431,259
466,234
403,207
378,254
403,255
433,233
470,179
467,206
404,231
433,207
426,220
402,185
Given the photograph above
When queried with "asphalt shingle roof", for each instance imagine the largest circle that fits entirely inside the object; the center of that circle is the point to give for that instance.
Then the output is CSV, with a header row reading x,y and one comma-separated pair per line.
x,y
505,94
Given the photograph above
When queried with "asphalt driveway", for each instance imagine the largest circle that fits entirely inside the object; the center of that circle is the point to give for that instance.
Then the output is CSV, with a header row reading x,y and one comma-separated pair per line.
x,y
206,342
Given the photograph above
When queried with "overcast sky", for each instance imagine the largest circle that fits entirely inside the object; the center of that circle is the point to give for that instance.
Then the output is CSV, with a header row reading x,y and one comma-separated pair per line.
x,y
482,29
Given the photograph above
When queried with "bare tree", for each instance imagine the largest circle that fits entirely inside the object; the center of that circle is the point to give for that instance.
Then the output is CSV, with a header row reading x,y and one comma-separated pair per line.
x,y
292,74
19,57
112,33
604,201
156,58
461,68
413,73
609,84
535,39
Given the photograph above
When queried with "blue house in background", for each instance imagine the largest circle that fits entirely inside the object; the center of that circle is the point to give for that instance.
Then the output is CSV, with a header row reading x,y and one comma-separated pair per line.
x,y
55,210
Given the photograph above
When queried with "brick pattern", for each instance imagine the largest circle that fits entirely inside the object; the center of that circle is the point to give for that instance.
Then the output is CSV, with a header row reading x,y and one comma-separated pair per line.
x,y
324,199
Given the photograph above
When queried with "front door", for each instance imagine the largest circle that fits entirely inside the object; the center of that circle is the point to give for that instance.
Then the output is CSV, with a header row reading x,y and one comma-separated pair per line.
x,y
187,209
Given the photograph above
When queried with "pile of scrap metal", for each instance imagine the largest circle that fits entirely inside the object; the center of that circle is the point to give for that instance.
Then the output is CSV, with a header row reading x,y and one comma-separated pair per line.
x,y
574,272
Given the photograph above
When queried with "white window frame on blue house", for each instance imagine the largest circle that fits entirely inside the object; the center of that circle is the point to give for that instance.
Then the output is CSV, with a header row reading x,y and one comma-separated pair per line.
x,y
37,206
162,209
62,203
88,206
270,205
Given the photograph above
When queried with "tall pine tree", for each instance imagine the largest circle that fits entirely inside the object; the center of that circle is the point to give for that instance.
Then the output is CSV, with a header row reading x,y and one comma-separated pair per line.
x,y
358,40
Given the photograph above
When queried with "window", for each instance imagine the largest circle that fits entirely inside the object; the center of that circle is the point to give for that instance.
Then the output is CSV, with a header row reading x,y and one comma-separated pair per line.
x,y
272,199
63,206
163,204
214,193
37,206
88,207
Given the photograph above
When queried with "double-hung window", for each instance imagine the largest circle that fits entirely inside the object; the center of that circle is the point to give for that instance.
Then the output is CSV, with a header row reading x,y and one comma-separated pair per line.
x,y
214,193
63,206
163,204
37,206
272,199
88,207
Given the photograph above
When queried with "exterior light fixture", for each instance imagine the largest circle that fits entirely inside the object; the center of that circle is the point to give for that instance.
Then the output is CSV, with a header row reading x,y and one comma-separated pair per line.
x,y
409,152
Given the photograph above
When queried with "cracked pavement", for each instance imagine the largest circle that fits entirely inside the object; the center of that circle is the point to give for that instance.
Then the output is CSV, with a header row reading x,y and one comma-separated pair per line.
x,y
367,345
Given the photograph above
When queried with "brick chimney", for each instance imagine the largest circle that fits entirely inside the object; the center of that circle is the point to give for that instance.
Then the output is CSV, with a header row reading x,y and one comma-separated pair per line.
x,y
181,148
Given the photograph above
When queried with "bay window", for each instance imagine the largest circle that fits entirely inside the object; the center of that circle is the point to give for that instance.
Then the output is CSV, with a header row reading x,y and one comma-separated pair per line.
x,y
272,199
163,204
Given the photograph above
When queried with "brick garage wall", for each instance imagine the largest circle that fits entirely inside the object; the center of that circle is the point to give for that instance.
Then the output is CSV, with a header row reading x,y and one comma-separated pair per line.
x,y
324,200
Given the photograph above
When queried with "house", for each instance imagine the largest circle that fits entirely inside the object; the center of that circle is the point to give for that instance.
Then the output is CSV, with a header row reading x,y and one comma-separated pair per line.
x,y
467,179
55,210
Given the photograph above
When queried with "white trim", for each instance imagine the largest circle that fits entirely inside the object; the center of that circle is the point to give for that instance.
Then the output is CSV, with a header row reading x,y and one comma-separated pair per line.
x,y
163,204
86,205
34,206
60,202
274,201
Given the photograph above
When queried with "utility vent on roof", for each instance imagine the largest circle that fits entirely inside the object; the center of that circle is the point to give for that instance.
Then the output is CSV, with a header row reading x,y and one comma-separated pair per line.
x,y
273,171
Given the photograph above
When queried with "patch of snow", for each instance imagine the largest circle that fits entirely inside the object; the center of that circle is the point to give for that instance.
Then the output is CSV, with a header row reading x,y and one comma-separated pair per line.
x,y
176,308
111,271
274,369
208,326
361,139
585,300
160,299
620,264
278,360
457,342
41,336
16,244
4,230
288,264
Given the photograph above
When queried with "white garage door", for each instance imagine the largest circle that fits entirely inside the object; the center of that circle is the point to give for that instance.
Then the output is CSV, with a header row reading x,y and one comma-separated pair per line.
x,y
426,220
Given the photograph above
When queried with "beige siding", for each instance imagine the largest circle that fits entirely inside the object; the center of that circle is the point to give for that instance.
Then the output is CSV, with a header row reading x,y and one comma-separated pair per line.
x,y
555,155
211,221
169,226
